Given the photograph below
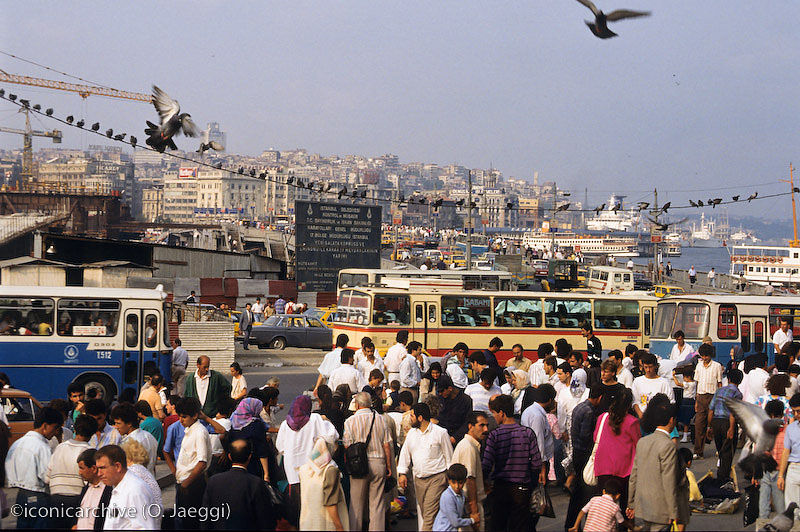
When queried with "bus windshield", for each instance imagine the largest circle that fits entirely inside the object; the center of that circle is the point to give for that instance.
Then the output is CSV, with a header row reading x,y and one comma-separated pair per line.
x,y
352,307
665,316
692,319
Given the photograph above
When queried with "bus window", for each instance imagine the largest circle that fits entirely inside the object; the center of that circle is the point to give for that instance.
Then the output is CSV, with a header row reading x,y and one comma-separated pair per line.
x,y
151,331
665,317
517,312
648,319
472,311
616,314
132,331
692,319
726,326
26,316
745,336
431,313
391,310
419,316
782,311
88,317
167,340
349,280
353,307
566,313
758,336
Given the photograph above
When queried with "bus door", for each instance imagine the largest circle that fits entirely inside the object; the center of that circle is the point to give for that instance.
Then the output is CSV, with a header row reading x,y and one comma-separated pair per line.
x,y
425,328
753,334
140,356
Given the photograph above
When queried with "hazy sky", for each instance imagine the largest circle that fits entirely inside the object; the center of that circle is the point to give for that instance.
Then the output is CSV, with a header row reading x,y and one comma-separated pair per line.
x,y
700,95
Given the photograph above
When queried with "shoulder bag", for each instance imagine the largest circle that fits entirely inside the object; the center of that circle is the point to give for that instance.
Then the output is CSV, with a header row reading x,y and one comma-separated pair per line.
x,y
589,478
355,456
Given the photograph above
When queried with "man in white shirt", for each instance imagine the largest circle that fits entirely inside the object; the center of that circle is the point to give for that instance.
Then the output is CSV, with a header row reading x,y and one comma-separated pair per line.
x,y
535,418
468,454
455,365
754,384
63,475
624,375
428,450
708,375
483,390
331,361
106,434
26,467
369,360
192,462
130,496
395,355
410,373
783,335
360,352
258,310
126,421
347,374
648,385
681,349
95,494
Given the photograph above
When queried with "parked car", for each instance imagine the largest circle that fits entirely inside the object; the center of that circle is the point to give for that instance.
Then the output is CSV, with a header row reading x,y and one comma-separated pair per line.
x,y
291,330
664,290
642,282
20,408
323,314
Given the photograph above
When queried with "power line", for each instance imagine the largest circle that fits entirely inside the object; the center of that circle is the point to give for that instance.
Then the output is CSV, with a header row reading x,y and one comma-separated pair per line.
x,y
54,70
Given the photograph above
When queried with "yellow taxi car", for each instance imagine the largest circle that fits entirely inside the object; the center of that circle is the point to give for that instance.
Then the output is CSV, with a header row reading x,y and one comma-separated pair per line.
x,y
664,290
323,314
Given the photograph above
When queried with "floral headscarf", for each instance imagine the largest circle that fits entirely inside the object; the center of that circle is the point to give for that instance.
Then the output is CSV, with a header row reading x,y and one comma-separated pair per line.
x,y
320,456
578,384
299,413
248,410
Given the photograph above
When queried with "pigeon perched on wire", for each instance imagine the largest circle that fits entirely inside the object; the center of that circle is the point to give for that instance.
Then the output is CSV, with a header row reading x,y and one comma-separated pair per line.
x,y
210,145
752,196
80,123
761,429
173,122
600,208
664,226
735,198
600,25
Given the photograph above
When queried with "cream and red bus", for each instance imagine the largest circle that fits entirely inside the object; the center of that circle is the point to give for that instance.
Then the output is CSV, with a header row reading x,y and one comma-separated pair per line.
x,y
440,316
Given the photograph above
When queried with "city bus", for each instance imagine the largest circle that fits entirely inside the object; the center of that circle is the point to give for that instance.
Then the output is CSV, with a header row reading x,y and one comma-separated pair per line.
x,y
472,279
105,339
729,320
440,317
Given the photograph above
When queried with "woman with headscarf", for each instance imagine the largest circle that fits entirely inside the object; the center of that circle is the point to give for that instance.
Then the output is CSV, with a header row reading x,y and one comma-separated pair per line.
x,y
521,382
323,503
246,424
427,384
295,441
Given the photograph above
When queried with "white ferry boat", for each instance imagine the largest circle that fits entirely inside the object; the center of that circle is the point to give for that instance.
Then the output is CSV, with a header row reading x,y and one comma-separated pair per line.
x,y
611,220
706,236
586,245
766,264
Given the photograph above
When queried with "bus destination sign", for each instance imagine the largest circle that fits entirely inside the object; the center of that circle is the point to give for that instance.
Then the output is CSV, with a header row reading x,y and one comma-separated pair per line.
x,y
332,236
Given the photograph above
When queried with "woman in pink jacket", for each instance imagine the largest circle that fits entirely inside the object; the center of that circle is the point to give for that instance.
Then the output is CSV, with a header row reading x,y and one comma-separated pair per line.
x,y
617,444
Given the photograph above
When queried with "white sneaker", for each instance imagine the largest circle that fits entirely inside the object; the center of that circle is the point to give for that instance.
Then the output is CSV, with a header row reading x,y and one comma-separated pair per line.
x,y
685,438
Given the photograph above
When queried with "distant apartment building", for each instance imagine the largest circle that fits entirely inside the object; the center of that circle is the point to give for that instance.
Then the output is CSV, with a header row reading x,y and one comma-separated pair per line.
x,y
279,196
152,204
180,196
529,216
192,195
491,208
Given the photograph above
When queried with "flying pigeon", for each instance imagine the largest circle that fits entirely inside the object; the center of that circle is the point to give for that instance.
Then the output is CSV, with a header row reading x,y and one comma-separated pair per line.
x,y
80,123
211,145
782,522
70,119
600,25
735,198
133,141
662,226
600,208
173,122
752,196
95,126
761,429
565,194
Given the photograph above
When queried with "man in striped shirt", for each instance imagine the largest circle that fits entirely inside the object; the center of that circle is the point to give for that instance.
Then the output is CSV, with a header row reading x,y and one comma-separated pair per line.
x,y
513,463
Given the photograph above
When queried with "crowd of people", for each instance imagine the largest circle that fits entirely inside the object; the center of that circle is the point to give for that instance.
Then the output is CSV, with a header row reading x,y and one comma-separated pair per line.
x,y
460,443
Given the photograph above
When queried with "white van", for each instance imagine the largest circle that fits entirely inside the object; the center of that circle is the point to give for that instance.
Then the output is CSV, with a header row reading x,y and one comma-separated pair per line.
x,y
609,280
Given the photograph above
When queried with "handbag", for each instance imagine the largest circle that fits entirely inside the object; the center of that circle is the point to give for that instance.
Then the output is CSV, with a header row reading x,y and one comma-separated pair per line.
x,y
355,456
540,503
589,478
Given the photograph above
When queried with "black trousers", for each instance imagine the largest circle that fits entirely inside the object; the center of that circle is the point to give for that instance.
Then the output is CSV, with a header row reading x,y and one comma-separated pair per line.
x,y
582,492
187,498
62,522
725,447
510,508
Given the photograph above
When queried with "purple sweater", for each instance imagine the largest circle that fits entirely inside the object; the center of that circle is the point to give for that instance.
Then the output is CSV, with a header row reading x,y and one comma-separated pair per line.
x,y
512,455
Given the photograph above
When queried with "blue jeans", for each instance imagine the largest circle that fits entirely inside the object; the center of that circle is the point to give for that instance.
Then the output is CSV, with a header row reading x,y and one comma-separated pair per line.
x,y
768,488
31,502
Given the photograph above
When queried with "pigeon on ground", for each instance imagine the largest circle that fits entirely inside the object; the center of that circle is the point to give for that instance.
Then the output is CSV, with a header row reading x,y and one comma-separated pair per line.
x,y
761,429
782,522
600,25
172,123
211,145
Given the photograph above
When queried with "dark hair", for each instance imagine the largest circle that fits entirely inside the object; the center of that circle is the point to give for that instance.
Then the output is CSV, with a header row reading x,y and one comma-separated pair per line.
x,y
586,326
545,350
325,396
84,426
648,359
615,353
613,486
413,346
406,397
618,409
48,415
75,387
126,413
562,348
95,407
518,345
461,346
596,390
678,334
189,406
177,341
777,384
402,336
114,453
341,340
375,374
240,455
609,365
794,402
236,367
774,408
707,350
496,342
782,362
630,349
551,361
444,383
565,367
366,341
87,457
143,407
457,472
487,375
685,456
347,355
794,368
367,345
421,409
4,379
502,403
472,419
735,376
659,412
478,357
394,385
62,405
790,348
545,392
227,406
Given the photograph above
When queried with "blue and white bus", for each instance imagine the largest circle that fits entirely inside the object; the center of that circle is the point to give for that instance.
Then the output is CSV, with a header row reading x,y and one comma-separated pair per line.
x,y
103,338
729,320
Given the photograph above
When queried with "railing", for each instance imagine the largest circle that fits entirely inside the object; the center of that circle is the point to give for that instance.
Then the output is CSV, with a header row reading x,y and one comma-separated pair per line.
x,y
17,224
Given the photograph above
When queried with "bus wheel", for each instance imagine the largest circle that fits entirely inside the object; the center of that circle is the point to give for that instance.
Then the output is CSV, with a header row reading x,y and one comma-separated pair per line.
x,y
278,343
103,384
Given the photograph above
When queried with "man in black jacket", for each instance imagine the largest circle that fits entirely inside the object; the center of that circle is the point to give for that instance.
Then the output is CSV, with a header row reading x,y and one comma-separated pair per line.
x,y
244,494
456,408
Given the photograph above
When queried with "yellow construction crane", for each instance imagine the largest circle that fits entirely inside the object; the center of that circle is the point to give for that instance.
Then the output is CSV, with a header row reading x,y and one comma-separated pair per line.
x,y
84,91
